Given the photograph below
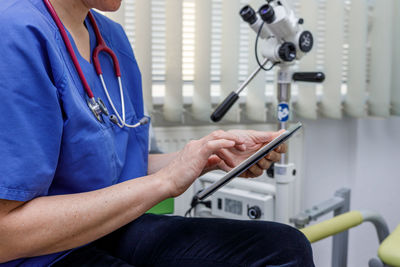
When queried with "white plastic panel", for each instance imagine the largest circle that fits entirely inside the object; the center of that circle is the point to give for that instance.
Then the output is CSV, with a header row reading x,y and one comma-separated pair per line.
x,y
255,102
381,58
396,60
306,105
355,104
201,107
142,46
230,53
173,101
333,56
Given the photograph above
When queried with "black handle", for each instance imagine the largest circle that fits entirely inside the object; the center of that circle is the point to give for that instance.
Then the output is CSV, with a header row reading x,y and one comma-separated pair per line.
x,y
223,108
312,77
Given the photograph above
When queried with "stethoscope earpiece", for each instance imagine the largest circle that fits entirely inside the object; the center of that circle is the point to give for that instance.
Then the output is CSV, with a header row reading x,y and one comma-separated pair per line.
x,y
144,121
114,119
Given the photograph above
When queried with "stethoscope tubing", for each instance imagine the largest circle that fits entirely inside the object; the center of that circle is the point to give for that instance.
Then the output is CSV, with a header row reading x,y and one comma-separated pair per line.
x,y
101,47
69,47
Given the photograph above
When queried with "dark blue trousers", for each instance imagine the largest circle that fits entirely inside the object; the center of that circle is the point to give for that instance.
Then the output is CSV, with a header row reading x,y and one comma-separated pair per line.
x,y
157,240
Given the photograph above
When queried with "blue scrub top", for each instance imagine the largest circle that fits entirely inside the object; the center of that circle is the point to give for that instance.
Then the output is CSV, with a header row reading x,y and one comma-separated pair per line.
x,y
50,142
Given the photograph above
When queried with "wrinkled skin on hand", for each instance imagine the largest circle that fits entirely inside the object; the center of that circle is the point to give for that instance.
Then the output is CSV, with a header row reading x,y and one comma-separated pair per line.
x,y
228,158
194,158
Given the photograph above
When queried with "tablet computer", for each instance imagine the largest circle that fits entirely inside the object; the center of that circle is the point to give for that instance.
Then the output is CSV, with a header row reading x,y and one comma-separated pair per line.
x,y
250,161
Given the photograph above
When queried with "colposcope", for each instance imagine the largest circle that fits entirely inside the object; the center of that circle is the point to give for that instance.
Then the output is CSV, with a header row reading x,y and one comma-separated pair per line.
x,y
285,42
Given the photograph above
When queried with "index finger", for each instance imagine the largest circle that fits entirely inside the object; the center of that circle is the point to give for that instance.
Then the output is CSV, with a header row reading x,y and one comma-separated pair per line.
x,y
220,134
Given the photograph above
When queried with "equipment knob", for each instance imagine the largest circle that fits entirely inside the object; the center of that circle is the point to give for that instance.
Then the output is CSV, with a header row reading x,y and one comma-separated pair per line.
x,y
287,52
254,212
306,41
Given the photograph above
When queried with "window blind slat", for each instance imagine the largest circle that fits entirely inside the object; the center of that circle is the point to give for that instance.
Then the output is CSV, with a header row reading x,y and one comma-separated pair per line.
x,y
381,59
142,46
202,76
396,61
173,100
306,105
256,109
230,53
334,40
355,104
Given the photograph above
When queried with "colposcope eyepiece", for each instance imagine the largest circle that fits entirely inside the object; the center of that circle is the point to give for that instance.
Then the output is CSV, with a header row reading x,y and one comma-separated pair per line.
x,y
287,52
267,13
248,14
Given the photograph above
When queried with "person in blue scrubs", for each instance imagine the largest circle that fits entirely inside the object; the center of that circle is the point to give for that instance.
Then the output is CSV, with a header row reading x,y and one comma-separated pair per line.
x,y
73,190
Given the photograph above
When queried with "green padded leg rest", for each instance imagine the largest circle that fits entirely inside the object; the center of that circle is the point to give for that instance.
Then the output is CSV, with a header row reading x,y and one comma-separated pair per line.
x,y
332,226
164,207
389,250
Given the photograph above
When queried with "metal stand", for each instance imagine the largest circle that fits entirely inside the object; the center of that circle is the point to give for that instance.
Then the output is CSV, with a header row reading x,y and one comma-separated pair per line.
x,y
284,172
341,241
339,204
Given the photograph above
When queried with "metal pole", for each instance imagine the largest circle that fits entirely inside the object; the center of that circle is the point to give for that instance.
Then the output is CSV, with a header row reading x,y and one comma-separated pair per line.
x,y
341,241
284,171
283,100
251,77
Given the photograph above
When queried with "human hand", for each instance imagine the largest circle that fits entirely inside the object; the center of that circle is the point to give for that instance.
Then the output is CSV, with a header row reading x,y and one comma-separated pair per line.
x,y
196,157
252,141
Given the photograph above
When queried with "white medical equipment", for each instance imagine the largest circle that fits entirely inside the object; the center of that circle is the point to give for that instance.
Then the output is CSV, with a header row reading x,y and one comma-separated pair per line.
x,y
97,106
241,204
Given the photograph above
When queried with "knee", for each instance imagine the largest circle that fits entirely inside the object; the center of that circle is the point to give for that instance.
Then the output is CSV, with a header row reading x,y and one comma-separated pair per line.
x,y
293,244
280,245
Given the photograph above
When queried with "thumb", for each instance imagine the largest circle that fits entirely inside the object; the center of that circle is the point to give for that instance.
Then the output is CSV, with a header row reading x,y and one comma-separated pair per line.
x,y
212,162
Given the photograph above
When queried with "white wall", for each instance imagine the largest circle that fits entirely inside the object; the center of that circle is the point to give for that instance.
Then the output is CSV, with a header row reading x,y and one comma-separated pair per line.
x,y
362,154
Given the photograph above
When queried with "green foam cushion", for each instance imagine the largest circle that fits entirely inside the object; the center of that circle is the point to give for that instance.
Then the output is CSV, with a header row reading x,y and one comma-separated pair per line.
x,y
164,207
389,250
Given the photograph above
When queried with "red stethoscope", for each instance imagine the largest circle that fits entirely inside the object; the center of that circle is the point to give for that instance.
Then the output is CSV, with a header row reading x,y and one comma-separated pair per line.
x,y
97,107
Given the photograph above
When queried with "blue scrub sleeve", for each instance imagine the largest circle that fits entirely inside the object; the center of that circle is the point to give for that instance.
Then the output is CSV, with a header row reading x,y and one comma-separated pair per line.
x,y
31,120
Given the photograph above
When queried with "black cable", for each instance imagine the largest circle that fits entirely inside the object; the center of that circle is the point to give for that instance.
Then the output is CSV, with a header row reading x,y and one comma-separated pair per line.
x,y
256,51
187,214
194,203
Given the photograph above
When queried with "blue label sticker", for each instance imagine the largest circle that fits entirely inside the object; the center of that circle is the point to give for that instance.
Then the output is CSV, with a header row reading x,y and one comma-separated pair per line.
x,y
283,112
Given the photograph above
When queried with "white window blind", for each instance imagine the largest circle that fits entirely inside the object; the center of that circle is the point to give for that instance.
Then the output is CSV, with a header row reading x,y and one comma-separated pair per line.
x,y
192,53
381,42
203,74
396,61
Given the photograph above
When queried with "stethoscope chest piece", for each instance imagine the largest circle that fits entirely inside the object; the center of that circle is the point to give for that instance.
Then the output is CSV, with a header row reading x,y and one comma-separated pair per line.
x,y
97,108
102,106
